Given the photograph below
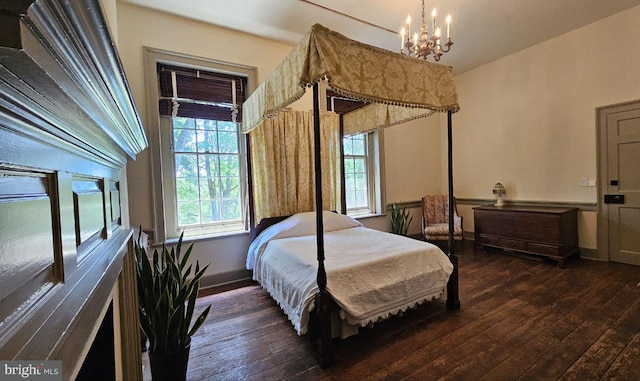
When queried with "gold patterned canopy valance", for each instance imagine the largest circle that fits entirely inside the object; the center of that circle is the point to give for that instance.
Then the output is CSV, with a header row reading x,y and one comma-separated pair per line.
x,y
358,71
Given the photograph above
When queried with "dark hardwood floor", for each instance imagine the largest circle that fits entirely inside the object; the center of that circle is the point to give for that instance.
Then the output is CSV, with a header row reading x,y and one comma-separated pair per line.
x,y
520,319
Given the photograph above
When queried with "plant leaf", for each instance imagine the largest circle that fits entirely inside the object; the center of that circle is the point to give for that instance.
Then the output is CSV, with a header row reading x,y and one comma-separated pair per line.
x,y
167,296
199,321
187,254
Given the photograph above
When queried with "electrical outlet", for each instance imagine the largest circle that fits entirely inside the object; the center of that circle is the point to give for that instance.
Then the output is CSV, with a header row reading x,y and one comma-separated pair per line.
x,y
592,182
584,181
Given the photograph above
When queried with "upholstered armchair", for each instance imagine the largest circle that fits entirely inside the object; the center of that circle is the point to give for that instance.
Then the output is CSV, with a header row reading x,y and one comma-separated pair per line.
x,y
435,218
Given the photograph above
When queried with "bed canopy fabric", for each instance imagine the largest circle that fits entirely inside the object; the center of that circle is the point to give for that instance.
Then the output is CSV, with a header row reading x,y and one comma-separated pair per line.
x,y
398,88
353,69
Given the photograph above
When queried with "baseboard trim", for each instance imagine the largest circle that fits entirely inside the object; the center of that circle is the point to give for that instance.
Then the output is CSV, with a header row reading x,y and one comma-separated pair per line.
x,y
589,253
221,279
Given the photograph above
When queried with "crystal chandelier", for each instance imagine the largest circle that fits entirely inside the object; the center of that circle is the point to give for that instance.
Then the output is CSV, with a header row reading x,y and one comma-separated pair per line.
x,y
422,45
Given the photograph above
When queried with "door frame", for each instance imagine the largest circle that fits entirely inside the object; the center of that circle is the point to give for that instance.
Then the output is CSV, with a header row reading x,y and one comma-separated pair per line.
x,y
603,253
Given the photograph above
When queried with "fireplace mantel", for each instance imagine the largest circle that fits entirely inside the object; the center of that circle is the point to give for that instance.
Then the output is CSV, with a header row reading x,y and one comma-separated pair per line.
x,y
68,126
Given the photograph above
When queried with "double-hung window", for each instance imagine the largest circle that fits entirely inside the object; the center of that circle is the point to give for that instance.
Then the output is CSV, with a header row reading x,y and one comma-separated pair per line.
x,y
362,173
363,161
204,180
356,173
207,172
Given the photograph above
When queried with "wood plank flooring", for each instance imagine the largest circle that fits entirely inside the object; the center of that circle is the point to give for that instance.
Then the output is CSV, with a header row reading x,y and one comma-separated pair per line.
x,y
520,320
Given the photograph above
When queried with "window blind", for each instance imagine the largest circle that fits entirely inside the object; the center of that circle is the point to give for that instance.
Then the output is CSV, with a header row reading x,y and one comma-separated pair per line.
x,y
195,93
342,105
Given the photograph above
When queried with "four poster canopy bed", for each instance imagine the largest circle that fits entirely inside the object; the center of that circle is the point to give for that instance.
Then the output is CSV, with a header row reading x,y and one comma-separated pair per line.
x,y
363,283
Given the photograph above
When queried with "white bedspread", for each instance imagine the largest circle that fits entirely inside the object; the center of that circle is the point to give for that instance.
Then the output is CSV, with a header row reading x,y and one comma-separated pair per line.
x,y
370,274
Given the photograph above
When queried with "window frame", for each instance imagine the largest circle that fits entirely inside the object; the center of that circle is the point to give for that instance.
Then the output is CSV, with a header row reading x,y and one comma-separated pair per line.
x,y
375,176
164,207
368,161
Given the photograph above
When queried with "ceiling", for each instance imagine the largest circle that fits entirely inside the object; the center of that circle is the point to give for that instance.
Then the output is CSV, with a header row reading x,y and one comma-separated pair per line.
x,y
482,30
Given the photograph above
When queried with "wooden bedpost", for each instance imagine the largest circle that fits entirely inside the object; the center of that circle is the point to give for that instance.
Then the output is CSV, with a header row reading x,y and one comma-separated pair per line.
x,y
325,357
453,297
252,213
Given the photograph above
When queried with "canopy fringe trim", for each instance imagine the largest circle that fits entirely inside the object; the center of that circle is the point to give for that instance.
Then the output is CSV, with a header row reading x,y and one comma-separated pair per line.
x,y
390,102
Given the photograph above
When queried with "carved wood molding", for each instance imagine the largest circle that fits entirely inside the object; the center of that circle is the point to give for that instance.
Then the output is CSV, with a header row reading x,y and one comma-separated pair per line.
x,y
61,81
68,125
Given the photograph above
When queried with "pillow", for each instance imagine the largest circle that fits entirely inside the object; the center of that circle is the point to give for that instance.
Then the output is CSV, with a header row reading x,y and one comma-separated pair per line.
x,y
302,224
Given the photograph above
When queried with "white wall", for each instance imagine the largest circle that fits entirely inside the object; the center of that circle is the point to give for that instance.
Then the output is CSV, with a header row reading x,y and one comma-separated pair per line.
x,y
139,27
412,160
413,153
529,121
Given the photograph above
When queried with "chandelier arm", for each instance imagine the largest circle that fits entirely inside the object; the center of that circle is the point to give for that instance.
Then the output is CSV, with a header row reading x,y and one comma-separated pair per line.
x,y
448,46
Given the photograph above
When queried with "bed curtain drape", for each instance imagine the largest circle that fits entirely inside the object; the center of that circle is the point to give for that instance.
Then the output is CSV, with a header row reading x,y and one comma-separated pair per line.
x,y
282,150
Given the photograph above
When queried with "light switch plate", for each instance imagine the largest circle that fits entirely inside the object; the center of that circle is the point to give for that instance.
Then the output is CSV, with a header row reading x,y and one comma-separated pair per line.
x,y
592,182
584,181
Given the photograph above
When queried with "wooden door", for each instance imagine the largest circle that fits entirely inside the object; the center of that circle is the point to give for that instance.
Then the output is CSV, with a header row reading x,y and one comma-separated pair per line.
x,y
620,190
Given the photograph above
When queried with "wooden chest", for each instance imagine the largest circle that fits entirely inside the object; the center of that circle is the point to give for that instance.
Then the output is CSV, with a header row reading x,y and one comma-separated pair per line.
x,y
545,231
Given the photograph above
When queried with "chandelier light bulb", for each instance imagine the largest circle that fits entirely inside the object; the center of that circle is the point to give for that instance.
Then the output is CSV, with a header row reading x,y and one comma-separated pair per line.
x,y
430,43
434,13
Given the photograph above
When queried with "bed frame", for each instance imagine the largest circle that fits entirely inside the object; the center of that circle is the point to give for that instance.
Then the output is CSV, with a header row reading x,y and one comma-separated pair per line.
x,y
325,305
320,321
450,105
265,223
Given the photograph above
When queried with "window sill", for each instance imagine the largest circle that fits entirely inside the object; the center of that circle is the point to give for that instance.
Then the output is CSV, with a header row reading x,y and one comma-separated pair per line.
x,y
203,237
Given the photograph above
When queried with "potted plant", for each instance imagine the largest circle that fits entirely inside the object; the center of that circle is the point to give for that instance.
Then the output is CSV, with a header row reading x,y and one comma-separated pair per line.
x,y
167,298
400,219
